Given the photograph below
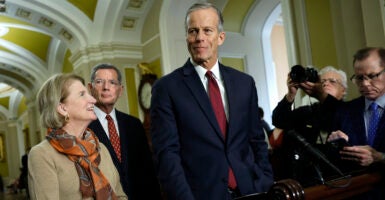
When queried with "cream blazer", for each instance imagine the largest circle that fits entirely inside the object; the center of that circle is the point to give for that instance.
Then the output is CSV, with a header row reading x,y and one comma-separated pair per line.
x,y
52,176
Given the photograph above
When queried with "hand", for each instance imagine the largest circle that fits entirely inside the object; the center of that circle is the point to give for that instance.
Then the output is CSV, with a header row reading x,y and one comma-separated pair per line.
x,y
314,90
337,135
292,89
363,155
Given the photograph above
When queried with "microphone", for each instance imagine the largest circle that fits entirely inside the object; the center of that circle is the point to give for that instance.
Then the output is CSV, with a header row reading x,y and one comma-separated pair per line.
x,y
313,151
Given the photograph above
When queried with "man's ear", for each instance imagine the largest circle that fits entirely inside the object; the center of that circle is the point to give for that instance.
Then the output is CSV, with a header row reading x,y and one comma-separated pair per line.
x,y
121,90
221,38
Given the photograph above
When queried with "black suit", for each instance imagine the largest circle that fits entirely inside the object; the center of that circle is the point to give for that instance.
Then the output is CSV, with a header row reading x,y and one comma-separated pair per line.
x,y
350,120
137,173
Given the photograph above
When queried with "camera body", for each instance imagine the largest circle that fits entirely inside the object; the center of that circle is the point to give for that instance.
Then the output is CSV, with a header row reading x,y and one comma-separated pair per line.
x,y
300,74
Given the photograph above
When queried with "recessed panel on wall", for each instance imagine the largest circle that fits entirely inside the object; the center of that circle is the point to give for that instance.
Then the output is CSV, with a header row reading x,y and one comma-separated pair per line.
x,y
236,63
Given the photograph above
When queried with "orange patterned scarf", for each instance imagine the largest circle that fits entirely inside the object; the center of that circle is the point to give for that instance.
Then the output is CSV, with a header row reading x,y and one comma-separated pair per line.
x,y
85,154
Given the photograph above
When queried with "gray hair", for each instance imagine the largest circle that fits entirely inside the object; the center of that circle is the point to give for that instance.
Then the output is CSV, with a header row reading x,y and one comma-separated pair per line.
x,y
340,72
105,66
200,6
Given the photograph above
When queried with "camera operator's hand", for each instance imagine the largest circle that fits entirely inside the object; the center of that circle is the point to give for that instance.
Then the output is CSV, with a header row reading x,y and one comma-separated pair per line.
x,y
314,90
309,88
292,89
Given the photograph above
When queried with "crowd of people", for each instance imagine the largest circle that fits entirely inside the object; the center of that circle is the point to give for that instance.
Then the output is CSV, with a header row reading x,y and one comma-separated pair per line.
x,y
209,137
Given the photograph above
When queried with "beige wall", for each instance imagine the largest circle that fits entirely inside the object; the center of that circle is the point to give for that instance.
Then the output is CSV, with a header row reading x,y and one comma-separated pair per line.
x,y
279,51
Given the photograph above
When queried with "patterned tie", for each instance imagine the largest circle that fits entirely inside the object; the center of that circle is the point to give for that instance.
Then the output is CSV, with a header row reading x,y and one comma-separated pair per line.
x,y
114,138
373,122
217,104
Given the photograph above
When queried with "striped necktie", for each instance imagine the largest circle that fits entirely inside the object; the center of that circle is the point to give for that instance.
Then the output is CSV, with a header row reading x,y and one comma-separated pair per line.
x,y
114,138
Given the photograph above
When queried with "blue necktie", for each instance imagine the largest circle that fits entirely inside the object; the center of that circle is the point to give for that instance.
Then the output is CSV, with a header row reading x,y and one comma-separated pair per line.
x,y
373,122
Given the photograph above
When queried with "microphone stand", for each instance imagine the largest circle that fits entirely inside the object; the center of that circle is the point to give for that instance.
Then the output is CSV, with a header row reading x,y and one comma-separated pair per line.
x,y
319,173
318,155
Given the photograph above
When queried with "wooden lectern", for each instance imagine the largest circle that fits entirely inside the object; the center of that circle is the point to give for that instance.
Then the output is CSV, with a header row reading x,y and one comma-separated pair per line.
x,y
289,189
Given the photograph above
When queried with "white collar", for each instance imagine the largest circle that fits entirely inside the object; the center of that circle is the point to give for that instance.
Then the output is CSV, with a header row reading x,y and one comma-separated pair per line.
x,y
102,115
202,71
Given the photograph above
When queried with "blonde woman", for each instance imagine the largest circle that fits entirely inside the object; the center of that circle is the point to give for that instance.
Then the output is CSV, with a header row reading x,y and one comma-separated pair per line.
x,y
70,163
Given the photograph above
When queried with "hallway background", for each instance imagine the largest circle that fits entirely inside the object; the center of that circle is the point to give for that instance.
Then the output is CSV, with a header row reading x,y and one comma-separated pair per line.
x,y
39,38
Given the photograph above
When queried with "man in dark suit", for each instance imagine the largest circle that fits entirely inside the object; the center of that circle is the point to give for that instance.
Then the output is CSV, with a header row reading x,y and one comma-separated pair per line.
x,y
354,119
135,164
201,155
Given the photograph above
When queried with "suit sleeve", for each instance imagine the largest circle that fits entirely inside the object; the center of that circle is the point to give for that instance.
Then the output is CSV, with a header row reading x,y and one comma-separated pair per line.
x,y
259,145
280,114
284,117
166,146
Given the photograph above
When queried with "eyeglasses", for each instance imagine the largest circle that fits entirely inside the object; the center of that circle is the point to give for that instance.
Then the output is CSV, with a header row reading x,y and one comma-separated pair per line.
x,y
358,79
101,82
332,81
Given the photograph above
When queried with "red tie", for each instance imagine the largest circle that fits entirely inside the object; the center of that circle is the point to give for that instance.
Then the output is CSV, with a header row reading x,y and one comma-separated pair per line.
x,y
217,104
114,138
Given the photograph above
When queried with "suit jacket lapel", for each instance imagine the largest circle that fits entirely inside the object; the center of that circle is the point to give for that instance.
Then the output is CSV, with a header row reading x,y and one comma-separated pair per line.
x,y
231,98
380,135
193,82
123,137
353,122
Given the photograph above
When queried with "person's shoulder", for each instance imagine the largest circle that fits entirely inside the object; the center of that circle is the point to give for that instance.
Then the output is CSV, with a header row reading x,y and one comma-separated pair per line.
x,y
234,72
176,75
356,101
124,116
168,79
43,148
353,105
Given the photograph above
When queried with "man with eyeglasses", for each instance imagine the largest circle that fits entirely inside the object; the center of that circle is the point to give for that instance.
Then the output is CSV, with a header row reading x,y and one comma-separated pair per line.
x,y
361,121
354,118
312,122
130,151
